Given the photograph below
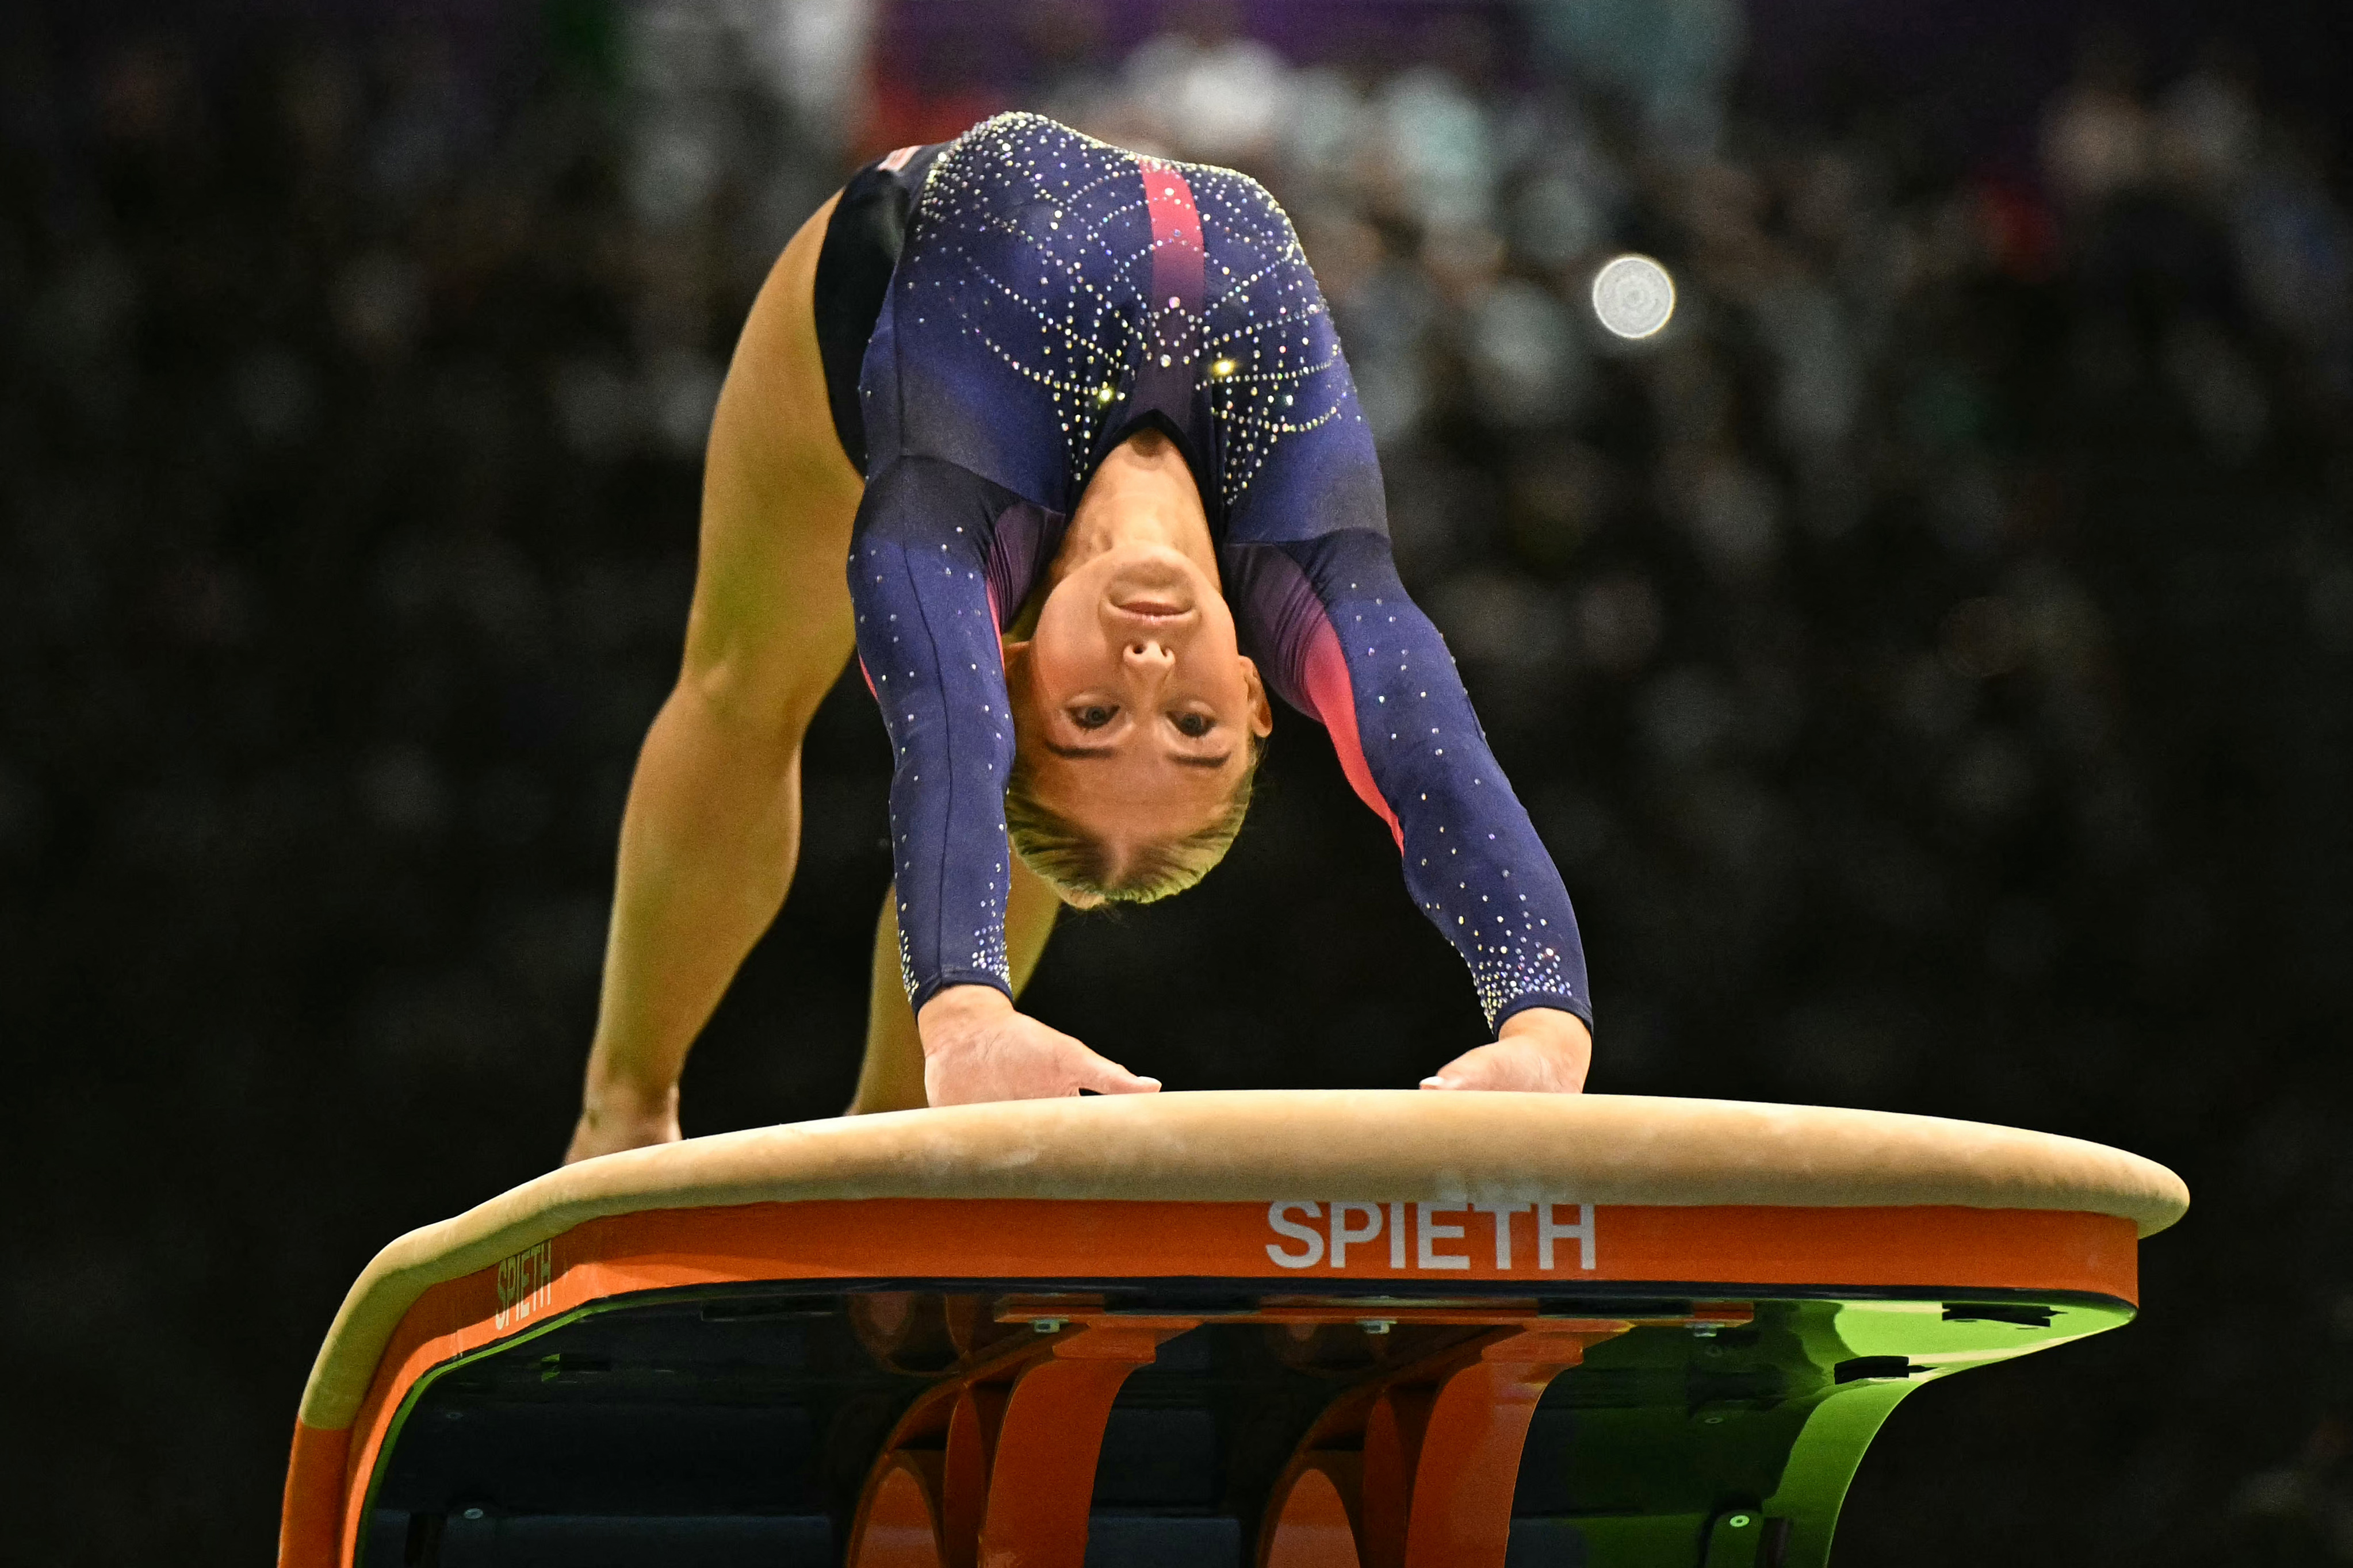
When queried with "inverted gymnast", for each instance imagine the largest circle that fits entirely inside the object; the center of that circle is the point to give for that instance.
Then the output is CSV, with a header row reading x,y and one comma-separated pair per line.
x,y
1078,423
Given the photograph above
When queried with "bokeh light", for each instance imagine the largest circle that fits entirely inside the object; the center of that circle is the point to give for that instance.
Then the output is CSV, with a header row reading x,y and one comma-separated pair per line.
x,y
1633,295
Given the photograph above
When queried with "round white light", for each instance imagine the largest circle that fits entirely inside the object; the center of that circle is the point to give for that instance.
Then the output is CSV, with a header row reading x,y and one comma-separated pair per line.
x,y
1633,295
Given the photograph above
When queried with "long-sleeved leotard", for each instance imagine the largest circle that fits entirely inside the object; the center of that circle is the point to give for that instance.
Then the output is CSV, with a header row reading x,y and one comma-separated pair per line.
x,y
1055,294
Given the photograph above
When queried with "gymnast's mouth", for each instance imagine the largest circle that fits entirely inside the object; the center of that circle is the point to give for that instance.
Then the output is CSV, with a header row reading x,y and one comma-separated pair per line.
x,y
1154,609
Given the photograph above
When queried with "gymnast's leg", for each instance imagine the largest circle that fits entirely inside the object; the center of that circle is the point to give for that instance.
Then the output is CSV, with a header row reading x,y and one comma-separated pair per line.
x,y
712,831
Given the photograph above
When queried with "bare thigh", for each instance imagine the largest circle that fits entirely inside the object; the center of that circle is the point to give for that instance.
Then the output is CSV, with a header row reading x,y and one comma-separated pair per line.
x,y
771,626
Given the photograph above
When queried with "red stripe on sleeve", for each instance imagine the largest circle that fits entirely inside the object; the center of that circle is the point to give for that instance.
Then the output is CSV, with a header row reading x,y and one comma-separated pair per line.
x,y
1324,673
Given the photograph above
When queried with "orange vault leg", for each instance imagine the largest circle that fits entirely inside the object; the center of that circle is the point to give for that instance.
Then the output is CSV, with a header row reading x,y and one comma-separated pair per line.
x,y
1418,1471
996,1467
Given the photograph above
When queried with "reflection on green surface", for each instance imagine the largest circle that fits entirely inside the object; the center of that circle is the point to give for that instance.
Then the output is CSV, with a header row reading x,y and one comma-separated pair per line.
x,y
753,1413
1651,1450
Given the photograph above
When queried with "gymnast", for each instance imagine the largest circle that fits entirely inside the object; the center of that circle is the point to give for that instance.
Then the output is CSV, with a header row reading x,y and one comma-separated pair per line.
x,y
1078,423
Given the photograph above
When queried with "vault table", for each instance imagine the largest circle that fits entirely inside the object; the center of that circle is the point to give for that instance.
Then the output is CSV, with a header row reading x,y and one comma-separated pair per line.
x,y
1355,1329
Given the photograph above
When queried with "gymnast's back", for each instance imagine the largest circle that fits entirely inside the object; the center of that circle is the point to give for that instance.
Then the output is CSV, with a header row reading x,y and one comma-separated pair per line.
x,y
1056,294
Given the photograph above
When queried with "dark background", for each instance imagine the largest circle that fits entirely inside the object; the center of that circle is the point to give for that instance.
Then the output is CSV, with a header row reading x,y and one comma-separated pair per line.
x,y
1928,659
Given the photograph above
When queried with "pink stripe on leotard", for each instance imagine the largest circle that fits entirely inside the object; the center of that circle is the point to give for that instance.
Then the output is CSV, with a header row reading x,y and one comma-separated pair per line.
x,y
1324,673
1178,258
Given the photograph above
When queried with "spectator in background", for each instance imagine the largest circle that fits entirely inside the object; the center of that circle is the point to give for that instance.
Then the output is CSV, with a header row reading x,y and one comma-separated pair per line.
x,y
1674,59
2099,139
1068,73
1207,92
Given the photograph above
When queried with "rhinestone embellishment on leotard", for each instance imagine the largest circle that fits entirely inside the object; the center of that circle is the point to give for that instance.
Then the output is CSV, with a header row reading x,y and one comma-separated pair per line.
x,y
1054,291
1068,303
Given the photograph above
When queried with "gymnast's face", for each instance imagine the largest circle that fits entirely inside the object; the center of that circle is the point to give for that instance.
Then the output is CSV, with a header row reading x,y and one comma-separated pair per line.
x,y
1132,704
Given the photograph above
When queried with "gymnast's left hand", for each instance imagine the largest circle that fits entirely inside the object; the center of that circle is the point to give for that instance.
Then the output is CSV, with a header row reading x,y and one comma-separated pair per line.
x,y
1539,1050
976,1049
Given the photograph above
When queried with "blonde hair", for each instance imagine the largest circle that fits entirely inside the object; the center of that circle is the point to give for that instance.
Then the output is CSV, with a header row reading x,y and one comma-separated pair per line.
x,y
1079,867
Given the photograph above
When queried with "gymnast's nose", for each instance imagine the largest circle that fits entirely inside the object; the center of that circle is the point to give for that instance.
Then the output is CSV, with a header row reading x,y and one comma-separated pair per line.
x,y
1149,658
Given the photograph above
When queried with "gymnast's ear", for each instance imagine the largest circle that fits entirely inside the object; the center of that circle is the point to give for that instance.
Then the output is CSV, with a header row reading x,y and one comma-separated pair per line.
x,y
1015,652
1262,716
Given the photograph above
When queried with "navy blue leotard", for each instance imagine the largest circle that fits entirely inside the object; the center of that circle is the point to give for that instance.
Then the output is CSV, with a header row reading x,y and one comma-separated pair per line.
x,y
1053,295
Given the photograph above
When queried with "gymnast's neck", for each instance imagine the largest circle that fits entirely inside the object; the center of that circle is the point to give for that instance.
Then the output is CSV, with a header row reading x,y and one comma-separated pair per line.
x,y
1141,494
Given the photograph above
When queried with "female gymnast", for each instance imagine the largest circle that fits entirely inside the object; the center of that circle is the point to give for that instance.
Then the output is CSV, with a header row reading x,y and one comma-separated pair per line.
x,y
1077,422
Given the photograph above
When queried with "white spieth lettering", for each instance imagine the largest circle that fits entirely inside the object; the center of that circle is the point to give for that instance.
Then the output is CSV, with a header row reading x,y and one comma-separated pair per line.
x,y
526,1284
1343,1233
1502,1214
1549,1230
1312,1240
1427,1255
1397,1236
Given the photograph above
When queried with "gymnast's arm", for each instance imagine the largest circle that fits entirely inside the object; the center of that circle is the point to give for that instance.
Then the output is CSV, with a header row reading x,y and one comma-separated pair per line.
x,y
928,640
1374,670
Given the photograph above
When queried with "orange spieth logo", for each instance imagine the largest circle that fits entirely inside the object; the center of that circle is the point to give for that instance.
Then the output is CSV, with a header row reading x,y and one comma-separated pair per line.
x,y
1523,1237
526,1284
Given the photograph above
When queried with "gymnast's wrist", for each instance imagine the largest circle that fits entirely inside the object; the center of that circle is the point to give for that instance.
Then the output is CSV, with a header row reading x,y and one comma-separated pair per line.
x,y
1554,1027
955,1010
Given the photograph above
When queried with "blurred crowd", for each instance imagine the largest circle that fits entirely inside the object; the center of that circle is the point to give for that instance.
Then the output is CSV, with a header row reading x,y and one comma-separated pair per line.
x,y
1928,656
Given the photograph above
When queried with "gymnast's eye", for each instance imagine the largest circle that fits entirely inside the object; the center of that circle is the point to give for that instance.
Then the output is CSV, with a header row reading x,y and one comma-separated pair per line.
x,y
1094,716
1193,726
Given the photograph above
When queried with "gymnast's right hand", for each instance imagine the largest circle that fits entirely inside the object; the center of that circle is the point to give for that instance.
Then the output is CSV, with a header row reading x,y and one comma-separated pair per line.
x,y
978,1048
